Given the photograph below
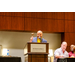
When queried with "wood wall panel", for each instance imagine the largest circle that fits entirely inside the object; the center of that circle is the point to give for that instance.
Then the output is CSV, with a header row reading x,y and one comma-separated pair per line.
x,y
28,24
50,15
5,23
33,14
67,38
68,49
62,37
45,21
69,15
5,13
30,14
74,16
73,26
39,22
43,15
59,15
70,38
47,26
54,25
40,15
69,26
17,23
41,25
2,13
58,26
20,14
44,25
34,24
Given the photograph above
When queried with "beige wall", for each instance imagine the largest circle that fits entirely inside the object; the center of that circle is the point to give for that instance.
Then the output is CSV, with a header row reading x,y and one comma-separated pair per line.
x,y
16,41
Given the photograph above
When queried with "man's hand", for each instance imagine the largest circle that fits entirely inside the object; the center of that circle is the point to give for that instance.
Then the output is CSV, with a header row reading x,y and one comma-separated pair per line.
x,y
59,56
31,39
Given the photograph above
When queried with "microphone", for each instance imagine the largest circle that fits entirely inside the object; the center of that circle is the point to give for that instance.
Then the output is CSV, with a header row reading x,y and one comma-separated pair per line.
x,y
40,38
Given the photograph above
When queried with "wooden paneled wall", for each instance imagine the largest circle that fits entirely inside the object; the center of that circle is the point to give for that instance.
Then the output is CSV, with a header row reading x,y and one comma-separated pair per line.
x,y
51,22
69,34
12,21
33,21
45,21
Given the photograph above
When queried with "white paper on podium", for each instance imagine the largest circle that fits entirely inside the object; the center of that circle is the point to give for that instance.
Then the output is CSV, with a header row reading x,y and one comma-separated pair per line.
x,y
38,47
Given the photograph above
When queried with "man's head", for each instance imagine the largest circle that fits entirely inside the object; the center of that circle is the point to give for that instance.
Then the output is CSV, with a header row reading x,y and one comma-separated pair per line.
x,y
64,46
39,34
72,47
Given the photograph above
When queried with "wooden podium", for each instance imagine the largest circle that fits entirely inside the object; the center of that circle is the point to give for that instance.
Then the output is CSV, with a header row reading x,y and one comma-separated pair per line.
x,y
37,52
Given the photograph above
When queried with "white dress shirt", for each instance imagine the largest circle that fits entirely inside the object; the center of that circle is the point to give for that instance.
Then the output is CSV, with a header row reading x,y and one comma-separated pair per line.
x,y
60,53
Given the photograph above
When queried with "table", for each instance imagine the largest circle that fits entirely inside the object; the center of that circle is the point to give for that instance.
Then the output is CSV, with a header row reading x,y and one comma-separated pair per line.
x,y
10,59
66,60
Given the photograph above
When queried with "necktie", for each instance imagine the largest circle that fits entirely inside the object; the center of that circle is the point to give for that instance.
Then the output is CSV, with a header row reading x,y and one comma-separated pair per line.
x,y
38,40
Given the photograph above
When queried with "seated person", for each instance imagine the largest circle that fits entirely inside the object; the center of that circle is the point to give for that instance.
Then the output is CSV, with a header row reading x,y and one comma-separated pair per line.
x,y
39,38
61,52
72,54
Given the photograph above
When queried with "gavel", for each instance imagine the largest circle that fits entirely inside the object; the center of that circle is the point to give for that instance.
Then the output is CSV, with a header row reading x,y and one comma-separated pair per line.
x,y
31,37
32,34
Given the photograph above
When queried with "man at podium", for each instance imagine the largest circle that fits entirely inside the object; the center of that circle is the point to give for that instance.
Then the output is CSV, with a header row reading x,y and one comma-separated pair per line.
x,y
39,38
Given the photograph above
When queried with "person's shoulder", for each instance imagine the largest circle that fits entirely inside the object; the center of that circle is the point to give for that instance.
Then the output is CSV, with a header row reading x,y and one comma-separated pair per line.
x,y
70,52
34,37
67,52
58,49
44,40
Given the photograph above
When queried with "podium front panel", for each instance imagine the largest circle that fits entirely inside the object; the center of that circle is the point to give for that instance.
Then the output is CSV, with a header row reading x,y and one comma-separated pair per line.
x,y
38,48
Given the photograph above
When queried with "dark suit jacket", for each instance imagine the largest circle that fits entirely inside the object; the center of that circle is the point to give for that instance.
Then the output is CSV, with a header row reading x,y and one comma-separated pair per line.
x,y
35,40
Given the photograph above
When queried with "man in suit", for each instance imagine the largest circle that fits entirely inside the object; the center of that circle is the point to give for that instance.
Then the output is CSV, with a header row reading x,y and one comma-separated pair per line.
x,y
39,38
